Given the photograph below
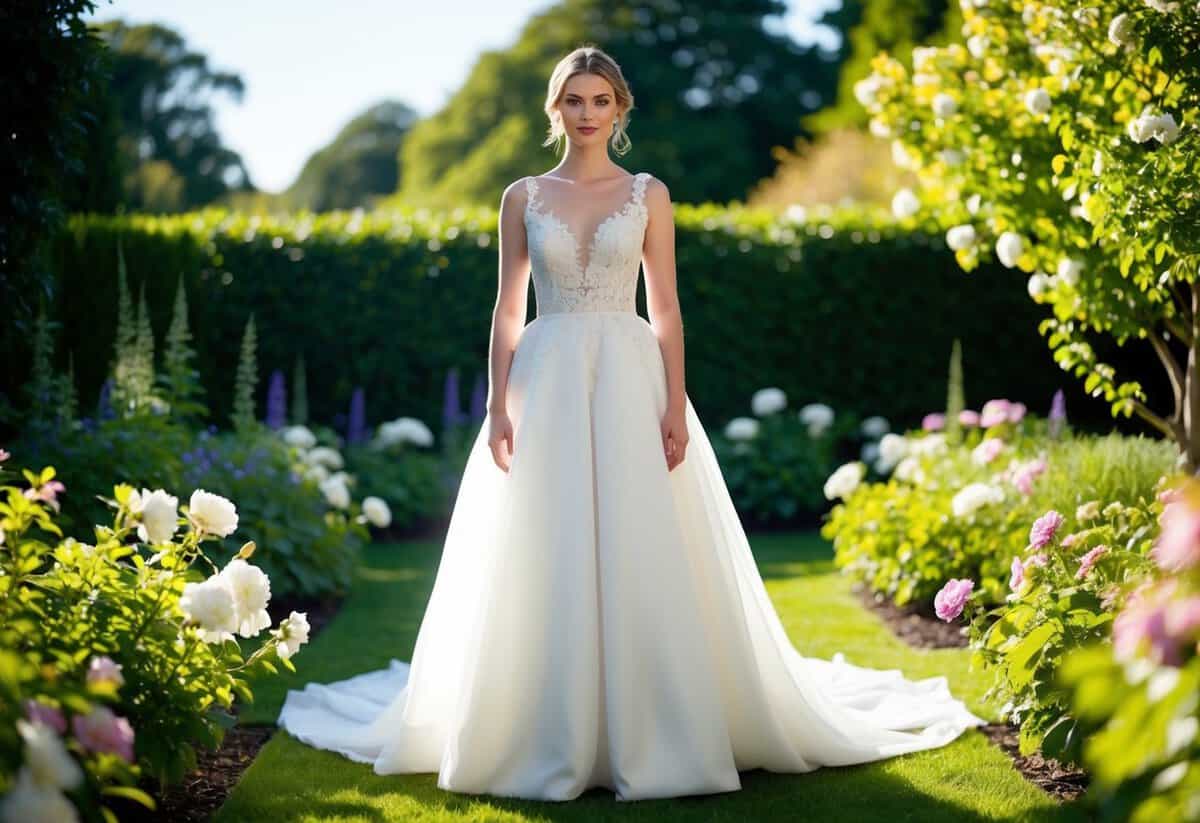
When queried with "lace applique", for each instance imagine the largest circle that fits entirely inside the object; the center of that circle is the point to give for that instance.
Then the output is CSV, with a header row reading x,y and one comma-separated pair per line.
x,y
608,280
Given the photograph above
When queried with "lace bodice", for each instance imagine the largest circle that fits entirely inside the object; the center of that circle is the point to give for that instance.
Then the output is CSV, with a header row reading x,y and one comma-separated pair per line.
x,y
604,280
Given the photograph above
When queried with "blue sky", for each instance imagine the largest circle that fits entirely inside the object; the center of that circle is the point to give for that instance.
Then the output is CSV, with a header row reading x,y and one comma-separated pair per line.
x,y
310,66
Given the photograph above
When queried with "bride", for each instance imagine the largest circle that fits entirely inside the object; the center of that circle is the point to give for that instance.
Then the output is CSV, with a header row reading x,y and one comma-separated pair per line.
x,y
597,617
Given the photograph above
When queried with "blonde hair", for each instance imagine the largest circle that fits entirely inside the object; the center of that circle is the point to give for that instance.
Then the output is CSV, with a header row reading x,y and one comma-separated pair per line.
x,y
588,59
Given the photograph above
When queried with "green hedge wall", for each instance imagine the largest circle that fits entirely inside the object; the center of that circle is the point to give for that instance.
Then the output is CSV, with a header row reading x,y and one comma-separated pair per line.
x,y
844,308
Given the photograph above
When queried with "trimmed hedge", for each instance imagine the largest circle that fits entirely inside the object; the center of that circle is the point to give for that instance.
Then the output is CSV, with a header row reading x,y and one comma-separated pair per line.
x,y
845,308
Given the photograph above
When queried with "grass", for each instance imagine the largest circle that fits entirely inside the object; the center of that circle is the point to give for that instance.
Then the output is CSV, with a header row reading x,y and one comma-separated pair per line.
x,y
969,779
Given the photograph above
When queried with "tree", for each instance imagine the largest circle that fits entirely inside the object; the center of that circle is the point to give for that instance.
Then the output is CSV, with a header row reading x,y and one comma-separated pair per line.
x,y
1067,138
709,80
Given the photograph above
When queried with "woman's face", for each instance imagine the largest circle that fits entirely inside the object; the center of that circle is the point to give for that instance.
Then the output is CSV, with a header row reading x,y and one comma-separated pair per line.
x,y
588,108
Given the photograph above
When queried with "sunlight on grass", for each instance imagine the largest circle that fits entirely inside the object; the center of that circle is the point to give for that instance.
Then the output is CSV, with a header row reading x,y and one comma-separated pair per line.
x,y
969,779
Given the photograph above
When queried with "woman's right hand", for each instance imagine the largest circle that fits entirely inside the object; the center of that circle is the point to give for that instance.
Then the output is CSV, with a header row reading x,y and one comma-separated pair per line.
x,y
500,432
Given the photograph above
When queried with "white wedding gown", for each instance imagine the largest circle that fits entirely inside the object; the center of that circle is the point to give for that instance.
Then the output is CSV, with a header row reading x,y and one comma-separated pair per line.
x,y
598,620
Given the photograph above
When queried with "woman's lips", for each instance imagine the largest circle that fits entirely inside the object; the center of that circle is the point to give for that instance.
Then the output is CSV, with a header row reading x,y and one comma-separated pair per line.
x,y
587,129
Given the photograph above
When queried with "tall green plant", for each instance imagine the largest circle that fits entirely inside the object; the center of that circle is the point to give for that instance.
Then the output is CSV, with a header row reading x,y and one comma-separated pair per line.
x,y
180,381
246,380
955,401
299,393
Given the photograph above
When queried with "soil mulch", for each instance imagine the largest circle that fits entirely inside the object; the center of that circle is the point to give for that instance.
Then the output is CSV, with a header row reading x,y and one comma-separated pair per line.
x,y
198,796
926,631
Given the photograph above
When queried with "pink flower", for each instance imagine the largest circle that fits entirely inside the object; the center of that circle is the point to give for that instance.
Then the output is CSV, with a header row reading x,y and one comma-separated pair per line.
x,y
1150,624
968,417
102,731
1183,618
1071,539
4,455
1044,528
993,413
47,493
1088,560
1026,473
1016,574
949,602
39,712
934,421
1016,412
1178,546
988,449
104,670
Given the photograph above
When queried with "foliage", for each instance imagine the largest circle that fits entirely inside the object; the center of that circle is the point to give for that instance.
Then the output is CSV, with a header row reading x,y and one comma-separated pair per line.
x,y
1067,136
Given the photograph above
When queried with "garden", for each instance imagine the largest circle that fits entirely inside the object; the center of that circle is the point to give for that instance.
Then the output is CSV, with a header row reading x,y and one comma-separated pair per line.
x,y
231,436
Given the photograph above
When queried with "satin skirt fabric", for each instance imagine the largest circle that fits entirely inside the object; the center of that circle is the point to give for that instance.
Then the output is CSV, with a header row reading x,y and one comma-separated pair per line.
x,y
599,621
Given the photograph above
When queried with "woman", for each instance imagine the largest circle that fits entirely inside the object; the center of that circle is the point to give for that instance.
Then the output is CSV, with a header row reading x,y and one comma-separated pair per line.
x,y
597,618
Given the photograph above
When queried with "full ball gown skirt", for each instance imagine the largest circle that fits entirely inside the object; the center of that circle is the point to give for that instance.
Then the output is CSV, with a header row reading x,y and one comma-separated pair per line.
x,y
598,620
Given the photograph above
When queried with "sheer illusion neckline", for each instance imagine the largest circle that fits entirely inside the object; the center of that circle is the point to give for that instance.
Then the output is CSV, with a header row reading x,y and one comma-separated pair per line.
x,y
632,200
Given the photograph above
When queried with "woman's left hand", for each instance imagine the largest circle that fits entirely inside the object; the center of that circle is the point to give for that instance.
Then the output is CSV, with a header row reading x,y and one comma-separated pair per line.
x,y
674,435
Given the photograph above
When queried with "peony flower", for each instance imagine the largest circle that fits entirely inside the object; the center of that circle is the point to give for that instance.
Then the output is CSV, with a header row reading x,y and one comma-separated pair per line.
x,y
1016,412
28,800
38,712
102,731
875,427
1178,545
944,105
931,444
987,450
949,602
49,762
211,606
376,510
741,428
892,449
974,496
844,480
994,413
292,634
1009,247
299,436
960,237
212,514
905,204
1165,129
103,671
818,417
251,589
1089,560
1037,101
404,430
1044,529
968,417
1121,30
324,456
1165,6
337,494
934,421
1026,473
768,401
158,513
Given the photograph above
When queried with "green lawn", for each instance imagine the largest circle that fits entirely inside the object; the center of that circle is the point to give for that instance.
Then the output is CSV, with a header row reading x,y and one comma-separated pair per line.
x,y
970,779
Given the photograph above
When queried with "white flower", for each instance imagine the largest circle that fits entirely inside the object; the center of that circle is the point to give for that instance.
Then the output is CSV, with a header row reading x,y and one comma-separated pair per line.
x,y
404,430
1165,129
922,57
875,426
926,79
952,157
1069,271
1039,284
892,449
336,492
944,105
817,416
975,496
768,401
977,44
377,511
292,634
905,204
212,514
324,456
1120,30
159,514
1009,246
900,156
1142,127
49,762
27,801
909,470
299,436
316,472
879,128
741,428
866,91
931,444
1163,6
960,237
1097,163
844,480
973,203
251,590
1037,101
210,604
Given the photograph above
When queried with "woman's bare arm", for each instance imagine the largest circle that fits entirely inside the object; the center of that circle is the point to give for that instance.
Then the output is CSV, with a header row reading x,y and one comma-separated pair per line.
x,y
508,314
662,298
